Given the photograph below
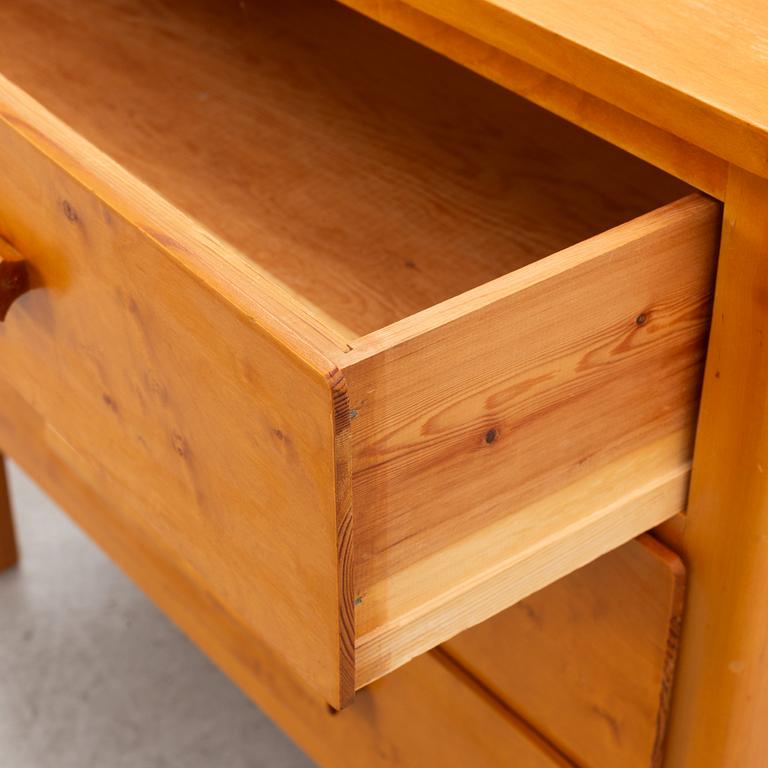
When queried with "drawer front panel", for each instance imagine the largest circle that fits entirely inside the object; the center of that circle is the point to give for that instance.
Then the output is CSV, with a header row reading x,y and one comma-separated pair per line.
x,y
589,660
173,400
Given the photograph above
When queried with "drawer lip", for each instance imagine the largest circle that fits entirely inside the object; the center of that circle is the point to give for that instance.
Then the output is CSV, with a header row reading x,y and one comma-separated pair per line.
x,y
601,516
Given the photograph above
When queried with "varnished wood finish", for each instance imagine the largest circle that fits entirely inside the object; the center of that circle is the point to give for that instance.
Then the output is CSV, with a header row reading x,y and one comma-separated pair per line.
x,y
9,554
589,660
474,184
704,170
428,713
194,394
371,176
498,399
721,695
14,279
661,61
187,354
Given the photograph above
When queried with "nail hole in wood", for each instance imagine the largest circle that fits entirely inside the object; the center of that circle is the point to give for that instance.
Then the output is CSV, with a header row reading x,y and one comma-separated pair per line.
x,y
491,435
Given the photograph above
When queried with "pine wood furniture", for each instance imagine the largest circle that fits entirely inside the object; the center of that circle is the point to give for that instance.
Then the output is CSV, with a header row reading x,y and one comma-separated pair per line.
x,y
342,349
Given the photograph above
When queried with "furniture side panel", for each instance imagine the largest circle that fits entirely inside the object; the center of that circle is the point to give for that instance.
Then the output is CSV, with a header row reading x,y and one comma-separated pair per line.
x,y
720,704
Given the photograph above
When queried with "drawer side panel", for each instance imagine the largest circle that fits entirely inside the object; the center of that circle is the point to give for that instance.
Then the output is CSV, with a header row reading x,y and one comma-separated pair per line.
x,y
511,391
521,430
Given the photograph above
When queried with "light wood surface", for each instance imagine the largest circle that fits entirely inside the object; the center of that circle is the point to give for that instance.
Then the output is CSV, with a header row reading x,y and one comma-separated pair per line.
x,y
589,660
704,170
696,69
135,345
262,119
428,713
481,574
511,435
8,550
371,176
505,394
172,376
720,706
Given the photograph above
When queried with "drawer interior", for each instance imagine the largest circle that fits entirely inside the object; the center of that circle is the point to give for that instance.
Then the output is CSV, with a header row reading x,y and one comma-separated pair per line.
x,y
368,175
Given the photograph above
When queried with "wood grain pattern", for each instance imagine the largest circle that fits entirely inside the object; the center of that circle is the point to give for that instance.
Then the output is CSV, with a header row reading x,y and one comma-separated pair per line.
x,y
371,176
720,704
481,574
509,392
589,660
704,170
428,713
9,553
173,376
660,61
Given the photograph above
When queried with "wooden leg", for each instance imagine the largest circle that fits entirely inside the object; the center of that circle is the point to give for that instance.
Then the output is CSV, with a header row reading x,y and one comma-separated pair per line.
x,y
8,551
720,703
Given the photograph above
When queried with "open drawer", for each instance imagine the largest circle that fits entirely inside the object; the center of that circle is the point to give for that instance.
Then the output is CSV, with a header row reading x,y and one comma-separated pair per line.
x,y
375,347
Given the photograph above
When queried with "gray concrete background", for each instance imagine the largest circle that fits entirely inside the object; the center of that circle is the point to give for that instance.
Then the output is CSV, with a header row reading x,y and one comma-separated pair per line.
x,y
93,676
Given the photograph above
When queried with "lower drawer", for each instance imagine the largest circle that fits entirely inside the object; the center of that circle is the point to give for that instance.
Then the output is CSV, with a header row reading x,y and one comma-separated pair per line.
x,y
588,661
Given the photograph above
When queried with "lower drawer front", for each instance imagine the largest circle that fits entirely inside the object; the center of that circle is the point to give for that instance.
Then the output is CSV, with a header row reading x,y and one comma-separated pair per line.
x,y
430,713
589,660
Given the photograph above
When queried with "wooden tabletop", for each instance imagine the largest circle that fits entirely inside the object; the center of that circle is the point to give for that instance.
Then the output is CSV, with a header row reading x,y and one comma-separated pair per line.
x,y
696,68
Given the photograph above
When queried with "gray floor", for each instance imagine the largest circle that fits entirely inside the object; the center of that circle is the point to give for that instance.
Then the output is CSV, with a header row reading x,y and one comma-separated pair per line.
x,y
93,676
